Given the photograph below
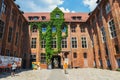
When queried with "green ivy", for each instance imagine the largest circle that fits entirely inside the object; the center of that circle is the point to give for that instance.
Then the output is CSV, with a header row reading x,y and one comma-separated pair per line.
x,y
49,35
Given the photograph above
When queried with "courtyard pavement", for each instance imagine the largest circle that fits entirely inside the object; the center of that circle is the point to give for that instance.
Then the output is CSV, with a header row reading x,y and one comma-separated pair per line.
x,y
58,74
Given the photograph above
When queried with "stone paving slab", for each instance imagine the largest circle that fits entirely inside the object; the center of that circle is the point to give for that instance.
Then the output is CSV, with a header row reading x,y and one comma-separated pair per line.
x,y
58,74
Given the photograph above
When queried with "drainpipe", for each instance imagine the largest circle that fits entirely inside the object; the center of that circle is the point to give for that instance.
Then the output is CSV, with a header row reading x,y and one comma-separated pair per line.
x,y
71,45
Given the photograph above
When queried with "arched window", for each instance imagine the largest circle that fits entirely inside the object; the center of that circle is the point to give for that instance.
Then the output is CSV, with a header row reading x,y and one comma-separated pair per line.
x,y
85,55
34,29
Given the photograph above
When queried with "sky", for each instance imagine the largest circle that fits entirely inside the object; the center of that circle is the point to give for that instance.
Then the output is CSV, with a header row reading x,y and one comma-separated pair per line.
x,y
64,5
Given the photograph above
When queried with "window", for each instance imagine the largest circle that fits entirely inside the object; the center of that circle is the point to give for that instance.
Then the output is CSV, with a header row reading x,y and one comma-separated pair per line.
x,y
73,28
84,42
112,29
43,17
33,56
64,29
30,18
107,8
16,40
33,43
34,29
117,48
57,16
53,29
75,55
74,18
82,29
43,43
79,17
43,29
10,34
3,7
54,43
43,58
74,42
2,25
64,43
106,49
35,18
7,52
85,55
103,35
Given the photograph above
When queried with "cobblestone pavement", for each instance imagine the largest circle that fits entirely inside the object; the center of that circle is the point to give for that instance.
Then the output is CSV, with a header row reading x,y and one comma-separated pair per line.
x,y
58,74
92,74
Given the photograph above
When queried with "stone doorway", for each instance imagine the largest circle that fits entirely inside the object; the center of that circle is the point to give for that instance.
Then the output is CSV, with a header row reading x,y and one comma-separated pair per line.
x,y
56,62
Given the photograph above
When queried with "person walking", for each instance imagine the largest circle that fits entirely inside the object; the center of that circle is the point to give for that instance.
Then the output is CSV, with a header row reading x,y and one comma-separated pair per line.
x,y
14,66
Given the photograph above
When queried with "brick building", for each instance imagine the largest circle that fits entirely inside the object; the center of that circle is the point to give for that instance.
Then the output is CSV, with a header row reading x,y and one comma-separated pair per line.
x,y
92,41
86,40
14,37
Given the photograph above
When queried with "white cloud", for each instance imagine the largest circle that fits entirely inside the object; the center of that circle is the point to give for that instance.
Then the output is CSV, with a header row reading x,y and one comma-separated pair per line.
x,y
64,10
90,3
40,5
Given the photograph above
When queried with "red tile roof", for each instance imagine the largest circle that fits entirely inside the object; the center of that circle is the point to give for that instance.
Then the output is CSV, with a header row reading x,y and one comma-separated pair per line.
x,y
67,16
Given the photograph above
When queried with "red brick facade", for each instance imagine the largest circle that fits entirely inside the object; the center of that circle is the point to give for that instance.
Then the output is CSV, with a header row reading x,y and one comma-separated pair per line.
x,y
100,31
15,37
98,53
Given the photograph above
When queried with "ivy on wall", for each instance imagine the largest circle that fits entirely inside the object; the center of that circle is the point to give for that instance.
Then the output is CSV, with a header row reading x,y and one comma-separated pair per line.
x,y
57,20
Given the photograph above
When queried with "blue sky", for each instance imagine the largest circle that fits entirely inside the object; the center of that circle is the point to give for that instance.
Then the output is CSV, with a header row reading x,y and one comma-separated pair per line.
x,y
64,5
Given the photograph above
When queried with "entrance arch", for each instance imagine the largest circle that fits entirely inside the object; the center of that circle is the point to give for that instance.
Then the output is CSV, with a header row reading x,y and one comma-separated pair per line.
x,y
56,61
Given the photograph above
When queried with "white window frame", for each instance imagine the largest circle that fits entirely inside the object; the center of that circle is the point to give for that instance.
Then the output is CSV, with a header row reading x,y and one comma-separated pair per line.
x,y
112,37
84,41
54,43
64,40
74,42
34,45
43,44
43,58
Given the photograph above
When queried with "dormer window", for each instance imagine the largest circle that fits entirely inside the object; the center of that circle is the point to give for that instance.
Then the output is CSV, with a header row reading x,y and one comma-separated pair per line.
x,y
74,17
79,17
43,17
57,16
30,18
35,18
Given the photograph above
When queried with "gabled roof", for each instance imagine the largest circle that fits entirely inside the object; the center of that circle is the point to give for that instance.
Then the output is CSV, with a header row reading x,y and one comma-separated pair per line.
x,y
67,16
